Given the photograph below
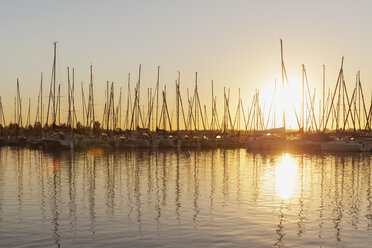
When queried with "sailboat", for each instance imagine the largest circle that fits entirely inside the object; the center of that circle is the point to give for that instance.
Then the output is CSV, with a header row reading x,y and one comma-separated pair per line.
x,y
59,141
346,146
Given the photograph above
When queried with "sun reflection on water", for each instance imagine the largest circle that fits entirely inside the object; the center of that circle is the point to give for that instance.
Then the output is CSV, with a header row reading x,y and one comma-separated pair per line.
x,y
286,176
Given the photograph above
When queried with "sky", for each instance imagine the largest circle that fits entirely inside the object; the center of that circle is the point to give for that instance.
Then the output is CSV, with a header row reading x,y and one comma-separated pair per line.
x,y
234,43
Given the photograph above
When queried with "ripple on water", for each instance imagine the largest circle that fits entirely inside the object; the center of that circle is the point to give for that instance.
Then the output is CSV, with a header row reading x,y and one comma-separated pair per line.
x,y
220,198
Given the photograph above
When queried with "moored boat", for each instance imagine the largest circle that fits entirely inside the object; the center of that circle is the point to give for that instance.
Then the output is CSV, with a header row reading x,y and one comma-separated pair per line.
x,y
346,146
58,141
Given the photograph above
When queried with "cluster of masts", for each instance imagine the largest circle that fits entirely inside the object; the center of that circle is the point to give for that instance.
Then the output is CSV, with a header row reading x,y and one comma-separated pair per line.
x,y
338,110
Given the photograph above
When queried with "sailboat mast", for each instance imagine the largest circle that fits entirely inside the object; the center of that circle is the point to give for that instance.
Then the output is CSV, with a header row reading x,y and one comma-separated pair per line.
x,y
323,111
212,121
41,98
54,81
283,70
69,97
157,97
28,122
178,102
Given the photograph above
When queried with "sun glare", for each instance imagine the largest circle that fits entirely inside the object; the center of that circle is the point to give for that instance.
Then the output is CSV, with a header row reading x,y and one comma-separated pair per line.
x,y
286,176
288,99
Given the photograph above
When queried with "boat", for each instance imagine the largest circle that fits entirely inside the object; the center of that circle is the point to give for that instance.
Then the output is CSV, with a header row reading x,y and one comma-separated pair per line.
x,y
166,141
208,142
303,145
143,142
128,142
346,146
190,142
58,141
266,144
35,143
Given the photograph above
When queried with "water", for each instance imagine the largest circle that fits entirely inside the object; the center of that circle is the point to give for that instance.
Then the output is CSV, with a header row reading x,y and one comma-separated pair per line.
x,y
221,198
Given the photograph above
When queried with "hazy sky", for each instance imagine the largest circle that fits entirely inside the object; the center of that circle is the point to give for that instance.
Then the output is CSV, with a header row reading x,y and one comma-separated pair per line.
x,y
235,43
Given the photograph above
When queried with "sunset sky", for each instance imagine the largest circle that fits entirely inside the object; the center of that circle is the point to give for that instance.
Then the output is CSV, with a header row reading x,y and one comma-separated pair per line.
x,y
235,43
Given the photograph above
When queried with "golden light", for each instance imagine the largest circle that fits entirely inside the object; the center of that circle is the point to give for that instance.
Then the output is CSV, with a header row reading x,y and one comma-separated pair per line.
x,y
286,176
287,98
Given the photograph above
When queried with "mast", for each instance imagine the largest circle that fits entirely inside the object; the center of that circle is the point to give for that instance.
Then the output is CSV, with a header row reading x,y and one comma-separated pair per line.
x,y
59,104
41,98
69,97
284,74
334,94
367,120
119,107
178,103
157,97
54,81
28,121
212,121
238,127
138,96
19,106
129,105
107,106
323,111
2,117
74,117
90,111
52,91
83,103
15,110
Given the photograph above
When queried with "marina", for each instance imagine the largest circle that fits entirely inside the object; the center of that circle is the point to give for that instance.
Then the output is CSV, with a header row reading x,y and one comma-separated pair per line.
x,y
178,124
343,123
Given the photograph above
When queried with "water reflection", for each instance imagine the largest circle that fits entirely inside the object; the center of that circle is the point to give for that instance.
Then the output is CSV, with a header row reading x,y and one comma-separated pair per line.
x,y
286,175
212,196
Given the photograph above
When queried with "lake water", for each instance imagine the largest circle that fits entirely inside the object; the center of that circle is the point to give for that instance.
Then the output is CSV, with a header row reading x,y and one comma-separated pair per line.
x,y
220,198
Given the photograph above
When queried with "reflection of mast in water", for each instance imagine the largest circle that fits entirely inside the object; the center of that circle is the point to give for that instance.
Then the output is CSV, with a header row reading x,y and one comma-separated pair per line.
x,y
213,183
29,173
72,192
321,209
120,175
128,165
54,205
338,198
196,188
280,227
164,181
42,171
369,195
238,175
302,213
157,205
255,178
91,193
149,178
225,185
178,189
110,184
19,174
137,191
355,179
2,169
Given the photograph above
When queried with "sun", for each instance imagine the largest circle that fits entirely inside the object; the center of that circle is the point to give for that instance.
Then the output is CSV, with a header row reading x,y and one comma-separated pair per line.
x,y
286,100
290,101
